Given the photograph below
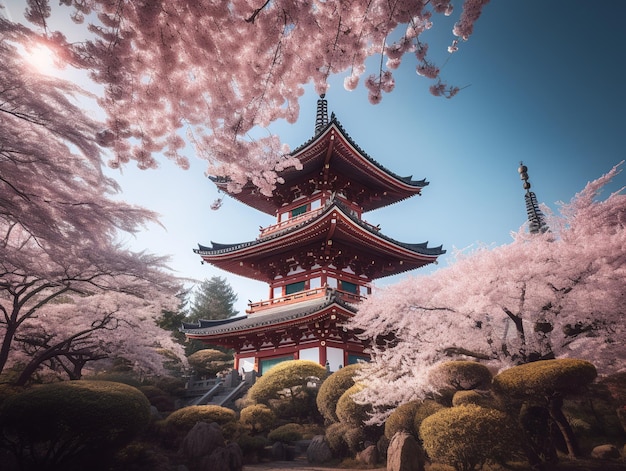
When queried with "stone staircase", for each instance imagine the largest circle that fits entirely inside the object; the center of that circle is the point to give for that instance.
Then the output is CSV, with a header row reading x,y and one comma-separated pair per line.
x,y
218,391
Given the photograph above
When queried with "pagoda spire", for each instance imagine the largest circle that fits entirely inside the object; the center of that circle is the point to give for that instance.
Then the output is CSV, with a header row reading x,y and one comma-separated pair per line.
x,y
321,117
535,216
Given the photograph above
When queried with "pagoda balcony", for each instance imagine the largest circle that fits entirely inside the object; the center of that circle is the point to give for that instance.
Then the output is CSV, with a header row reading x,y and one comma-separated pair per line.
x,y
323,292
294,221
299,219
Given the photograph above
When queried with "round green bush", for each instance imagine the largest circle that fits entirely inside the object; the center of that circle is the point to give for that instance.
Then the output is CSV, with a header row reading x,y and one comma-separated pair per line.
x,y
349,411
461,398
427,408
183,420
257,418
287,433
72,424
468,436
332,388
251,445
209,362
288,375
544,378
402,419
344,439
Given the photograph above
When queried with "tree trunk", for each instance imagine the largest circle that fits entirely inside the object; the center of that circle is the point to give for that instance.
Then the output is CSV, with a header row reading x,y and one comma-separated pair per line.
x,y
555,404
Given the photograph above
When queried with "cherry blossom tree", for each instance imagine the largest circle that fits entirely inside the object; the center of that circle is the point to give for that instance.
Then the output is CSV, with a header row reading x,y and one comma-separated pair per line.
x,y
62,310
69,294
551,295
214,71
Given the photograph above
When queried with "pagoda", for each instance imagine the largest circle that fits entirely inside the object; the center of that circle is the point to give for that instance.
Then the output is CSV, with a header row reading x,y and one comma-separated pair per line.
x,y
318,259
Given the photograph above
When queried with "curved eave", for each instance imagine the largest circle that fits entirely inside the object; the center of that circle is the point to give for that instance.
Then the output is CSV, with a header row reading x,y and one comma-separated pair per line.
x,y
279,318
348,158
237,258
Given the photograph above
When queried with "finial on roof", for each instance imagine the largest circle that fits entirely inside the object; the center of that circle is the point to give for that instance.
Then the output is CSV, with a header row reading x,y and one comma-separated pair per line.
x,y
321,118
535,216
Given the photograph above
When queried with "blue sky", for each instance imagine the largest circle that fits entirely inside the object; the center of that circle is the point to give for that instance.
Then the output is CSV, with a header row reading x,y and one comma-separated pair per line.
x,y
545,85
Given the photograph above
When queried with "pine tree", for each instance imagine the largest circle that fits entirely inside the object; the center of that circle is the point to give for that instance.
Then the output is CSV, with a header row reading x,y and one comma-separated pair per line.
x,y
213,300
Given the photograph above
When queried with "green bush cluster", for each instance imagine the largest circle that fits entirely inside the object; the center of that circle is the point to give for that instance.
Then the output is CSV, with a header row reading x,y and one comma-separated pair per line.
x,y
402,419
287,433
183,420
257,418
72,424
333,388
467,436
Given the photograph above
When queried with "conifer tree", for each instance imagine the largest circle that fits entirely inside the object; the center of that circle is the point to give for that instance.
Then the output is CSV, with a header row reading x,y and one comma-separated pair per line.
x,y
213,300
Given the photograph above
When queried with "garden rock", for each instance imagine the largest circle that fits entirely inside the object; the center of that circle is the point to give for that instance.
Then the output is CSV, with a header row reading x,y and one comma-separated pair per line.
x,y
405,454
228,458
318,450
605,452
369,456
202,440
279,451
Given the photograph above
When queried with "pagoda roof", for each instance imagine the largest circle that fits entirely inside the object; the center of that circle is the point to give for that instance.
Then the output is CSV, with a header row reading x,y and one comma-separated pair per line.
x,y
282,316
333,154
330,235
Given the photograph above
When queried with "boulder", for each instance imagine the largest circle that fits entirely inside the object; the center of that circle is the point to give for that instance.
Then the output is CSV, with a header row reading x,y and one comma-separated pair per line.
x,y
228,458
369,456
405,454
279,451
605,452
201,440
318,450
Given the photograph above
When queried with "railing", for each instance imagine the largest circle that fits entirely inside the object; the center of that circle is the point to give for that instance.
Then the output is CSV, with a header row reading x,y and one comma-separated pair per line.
x,y
303,295
290,222
289,299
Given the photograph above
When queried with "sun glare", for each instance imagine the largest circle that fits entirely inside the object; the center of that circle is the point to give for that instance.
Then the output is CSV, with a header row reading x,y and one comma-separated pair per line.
x,y
41,58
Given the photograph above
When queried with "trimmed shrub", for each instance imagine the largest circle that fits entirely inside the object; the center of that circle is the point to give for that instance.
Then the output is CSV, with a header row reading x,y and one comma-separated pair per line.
x,y
468,436
426,409
252,446
349,411
72,425
285,380
461,398
344,439
257,418
209,362
184,419
544,378
332,388
459,375
402,419
287,433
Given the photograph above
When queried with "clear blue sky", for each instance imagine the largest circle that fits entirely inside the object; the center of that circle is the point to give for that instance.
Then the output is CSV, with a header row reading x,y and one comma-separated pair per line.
x,y
546,85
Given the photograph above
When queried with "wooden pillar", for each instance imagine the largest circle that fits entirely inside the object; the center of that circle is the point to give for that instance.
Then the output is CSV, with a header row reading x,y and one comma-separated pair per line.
x,y
323,354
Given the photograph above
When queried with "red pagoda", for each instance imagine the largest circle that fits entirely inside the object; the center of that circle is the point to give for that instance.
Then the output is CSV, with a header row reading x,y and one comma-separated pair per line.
x,y
318,259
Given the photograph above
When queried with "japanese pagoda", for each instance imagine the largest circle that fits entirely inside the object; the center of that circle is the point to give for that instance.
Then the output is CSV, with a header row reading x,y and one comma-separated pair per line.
x,y
319,258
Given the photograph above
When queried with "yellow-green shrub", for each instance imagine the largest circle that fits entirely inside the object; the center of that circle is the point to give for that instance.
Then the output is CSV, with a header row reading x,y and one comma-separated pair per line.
x,y
467,436
426,409
184,419
288,375
287,433
257,418
402,419
461,398
87,420
331,390
349,411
